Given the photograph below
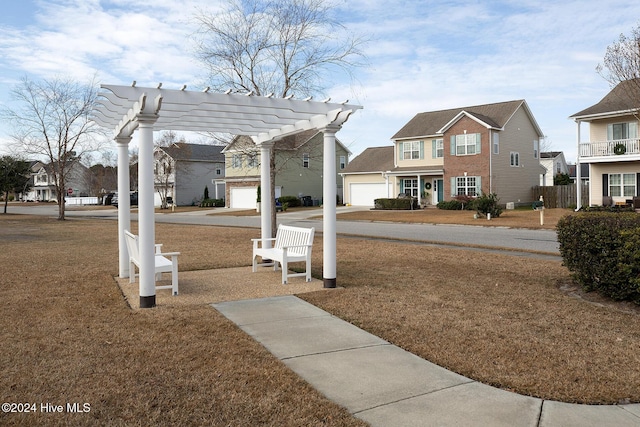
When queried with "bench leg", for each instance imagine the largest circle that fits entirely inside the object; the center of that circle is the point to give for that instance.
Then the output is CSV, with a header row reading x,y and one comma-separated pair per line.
x,y
308,271
254,263
174,276
132,272
285,270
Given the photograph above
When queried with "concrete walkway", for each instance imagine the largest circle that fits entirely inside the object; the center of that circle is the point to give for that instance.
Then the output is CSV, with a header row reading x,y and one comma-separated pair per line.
x,y
387,386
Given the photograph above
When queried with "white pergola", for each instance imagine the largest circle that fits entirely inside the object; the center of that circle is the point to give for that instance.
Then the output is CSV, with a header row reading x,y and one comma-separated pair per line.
x,y
265,119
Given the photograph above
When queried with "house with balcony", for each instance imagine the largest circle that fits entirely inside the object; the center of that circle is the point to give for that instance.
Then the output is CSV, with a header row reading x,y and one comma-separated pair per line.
x,y
43,185
440,155
298,168
612,148
182,171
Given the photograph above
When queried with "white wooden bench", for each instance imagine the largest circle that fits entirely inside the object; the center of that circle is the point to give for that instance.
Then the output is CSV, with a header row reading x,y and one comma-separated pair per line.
x,y
162,263
291,244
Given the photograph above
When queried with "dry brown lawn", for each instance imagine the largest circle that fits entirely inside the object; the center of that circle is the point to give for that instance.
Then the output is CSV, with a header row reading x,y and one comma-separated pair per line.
x,y
69,336
519,218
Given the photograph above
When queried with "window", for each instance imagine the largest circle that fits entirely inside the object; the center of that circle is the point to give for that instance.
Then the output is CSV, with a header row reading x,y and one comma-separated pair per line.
x,y
465,144
437,148
536,145
410,187
305,160
622,185
411,150
514,159
252,161
496,143
616,131
343,162
218,171
465,185
236,161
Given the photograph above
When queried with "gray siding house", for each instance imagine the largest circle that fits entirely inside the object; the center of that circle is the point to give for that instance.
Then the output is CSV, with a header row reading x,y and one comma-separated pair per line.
x,y
184,170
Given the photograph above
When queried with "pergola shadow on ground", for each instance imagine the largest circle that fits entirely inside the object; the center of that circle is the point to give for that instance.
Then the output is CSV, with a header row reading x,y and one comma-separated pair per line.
x,y
201,287
127,109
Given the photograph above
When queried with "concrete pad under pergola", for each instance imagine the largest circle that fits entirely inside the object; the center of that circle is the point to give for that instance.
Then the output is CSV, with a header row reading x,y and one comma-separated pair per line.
x,y
127,109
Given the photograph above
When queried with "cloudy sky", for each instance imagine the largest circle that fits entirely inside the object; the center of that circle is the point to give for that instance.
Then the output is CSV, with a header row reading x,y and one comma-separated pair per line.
x,y
423,55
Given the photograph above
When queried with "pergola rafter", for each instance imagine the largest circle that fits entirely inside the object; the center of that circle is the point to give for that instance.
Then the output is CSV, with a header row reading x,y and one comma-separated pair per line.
x,y
130,109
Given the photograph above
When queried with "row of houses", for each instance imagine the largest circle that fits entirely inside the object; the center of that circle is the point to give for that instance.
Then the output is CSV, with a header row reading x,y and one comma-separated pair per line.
x,y
435,156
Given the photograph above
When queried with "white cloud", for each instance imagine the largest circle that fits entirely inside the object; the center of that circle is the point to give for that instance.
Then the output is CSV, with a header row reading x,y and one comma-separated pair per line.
x,y
423,55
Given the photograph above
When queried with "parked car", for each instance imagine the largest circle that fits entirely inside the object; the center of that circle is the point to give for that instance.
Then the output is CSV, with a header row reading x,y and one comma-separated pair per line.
x,y
133,200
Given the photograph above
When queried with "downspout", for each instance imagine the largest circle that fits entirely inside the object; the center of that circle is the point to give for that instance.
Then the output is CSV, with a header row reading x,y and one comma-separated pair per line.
x,y
490,161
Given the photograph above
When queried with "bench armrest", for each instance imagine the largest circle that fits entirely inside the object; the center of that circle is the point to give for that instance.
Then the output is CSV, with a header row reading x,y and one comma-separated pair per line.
x,y
168,253
257,241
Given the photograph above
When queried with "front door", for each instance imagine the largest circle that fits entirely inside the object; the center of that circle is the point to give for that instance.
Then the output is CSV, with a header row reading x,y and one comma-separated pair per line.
x,y
440,189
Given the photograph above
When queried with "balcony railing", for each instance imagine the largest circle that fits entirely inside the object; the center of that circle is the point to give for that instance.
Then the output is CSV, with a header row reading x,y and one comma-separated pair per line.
x,y
610,148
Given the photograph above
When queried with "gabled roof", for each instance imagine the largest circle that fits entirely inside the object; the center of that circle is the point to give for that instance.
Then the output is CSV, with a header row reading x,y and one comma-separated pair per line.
x,y
623,99
550,154
373,159
291,142
195,152
434,123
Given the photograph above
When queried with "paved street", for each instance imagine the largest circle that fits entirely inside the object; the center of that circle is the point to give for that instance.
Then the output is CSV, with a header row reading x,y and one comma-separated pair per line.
x,y
544,241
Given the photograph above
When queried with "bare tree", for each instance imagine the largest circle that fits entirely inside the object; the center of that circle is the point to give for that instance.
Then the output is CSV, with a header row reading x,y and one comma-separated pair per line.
x,y
622,63
280,47
53,122
165,167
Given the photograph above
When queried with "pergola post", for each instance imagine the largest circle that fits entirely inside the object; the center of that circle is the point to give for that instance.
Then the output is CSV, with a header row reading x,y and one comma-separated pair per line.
x,y
146,212
124,211
329,207
265,185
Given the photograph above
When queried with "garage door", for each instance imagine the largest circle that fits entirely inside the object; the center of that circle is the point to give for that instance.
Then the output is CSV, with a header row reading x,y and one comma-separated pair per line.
x,y
244,198
363,194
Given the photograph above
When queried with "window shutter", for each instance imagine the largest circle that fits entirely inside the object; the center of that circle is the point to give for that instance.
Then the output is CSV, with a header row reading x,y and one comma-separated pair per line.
x,y
609,132
401,151
638,184
421,150
478,143
454,190
478,185
434,149
402,186
633,130
605,184
453,145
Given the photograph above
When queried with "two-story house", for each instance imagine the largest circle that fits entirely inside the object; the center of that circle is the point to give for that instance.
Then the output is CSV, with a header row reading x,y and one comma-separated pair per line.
x,y
298,168
613,148
438,155
554,164
182,171
44,181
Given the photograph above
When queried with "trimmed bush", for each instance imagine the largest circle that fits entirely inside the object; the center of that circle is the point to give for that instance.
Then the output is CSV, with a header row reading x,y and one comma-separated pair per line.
x,y
212,203
450,205
290,201
602,251
487,204
395,204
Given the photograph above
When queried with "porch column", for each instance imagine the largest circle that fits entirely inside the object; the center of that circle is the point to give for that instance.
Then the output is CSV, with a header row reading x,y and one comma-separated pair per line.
x,y
578,177
124,212
329,207
420,189
265,191
146,220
